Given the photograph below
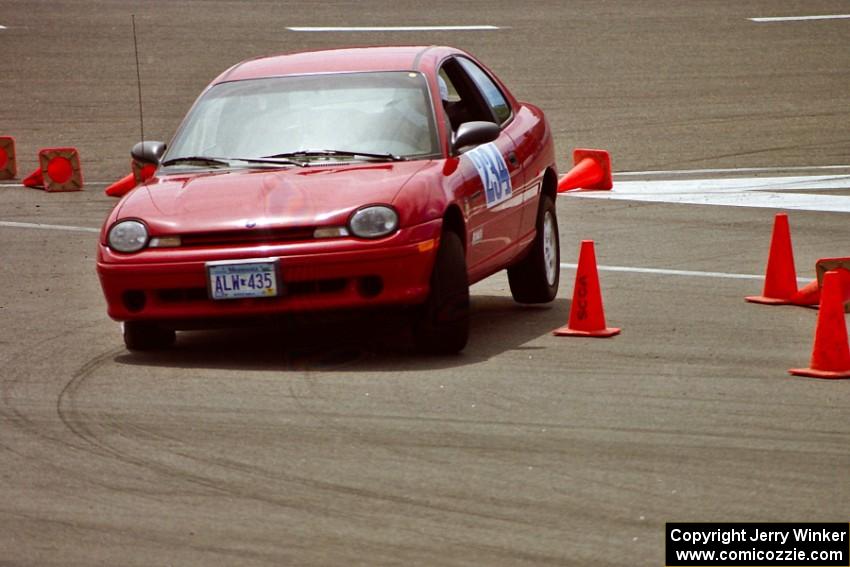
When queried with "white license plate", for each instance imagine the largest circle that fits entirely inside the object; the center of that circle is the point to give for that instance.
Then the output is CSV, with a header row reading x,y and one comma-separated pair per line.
x,y
245,278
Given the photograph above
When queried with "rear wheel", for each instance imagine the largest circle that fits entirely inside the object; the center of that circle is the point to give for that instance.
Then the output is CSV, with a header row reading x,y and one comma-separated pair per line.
x,y
143,335
442,323
535,278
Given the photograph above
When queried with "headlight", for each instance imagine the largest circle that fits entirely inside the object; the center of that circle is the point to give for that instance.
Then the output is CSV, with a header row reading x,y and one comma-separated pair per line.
x,y
128,236
373,221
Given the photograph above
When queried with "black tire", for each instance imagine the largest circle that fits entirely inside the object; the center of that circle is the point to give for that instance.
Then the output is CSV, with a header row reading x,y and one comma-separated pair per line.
x,y
142,335
442,323
535,278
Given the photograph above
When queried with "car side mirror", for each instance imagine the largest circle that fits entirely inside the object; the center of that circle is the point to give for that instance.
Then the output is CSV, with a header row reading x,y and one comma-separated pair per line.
x,y
148,152
475,133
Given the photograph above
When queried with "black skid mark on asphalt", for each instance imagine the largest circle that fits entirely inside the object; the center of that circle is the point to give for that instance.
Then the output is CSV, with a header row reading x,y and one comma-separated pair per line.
x,y
253,482
38,432
76,422
8,407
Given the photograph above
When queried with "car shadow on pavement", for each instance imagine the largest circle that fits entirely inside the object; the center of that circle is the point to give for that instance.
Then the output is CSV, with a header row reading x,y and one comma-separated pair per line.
x,y
375,341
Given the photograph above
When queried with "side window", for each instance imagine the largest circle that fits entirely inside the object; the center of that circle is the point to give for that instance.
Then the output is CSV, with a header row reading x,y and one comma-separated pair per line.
x,y
466,101
495,99
455,106
452,91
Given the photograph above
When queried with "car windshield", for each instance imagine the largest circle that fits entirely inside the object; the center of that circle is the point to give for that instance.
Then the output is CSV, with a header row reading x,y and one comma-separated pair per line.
x,y
312,117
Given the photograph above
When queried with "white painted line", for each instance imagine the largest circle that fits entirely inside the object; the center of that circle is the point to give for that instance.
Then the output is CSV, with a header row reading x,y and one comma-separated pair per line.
x,y
683,273
736,184
392,28
735,192
65,228
735,170
663,272
19,185
2,27
763,200
566,266
800,18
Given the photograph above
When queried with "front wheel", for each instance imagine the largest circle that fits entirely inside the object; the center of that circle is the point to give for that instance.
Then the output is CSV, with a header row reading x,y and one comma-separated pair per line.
x,y
535,278
442,323
143,335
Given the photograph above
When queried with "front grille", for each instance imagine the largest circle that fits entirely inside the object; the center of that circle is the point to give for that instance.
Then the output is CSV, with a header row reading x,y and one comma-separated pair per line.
x,y
248,236
182,295
193,294
318,286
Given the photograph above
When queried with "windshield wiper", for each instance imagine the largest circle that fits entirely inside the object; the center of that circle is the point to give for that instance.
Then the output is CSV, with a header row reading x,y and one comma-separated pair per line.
x,y
196,160
221,162
272,160
339,153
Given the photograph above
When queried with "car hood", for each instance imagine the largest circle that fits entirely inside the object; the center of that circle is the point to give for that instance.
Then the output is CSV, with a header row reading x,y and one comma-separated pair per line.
x,y
296,196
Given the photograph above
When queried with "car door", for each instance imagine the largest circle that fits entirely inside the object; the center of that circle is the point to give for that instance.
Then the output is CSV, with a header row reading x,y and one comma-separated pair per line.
x,y
492,172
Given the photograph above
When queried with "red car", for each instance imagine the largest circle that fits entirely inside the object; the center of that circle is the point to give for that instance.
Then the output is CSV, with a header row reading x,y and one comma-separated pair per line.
x,y
350,178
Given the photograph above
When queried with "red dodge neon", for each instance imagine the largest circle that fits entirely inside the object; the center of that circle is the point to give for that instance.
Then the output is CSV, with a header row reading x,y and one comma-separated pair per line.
x,y
349,178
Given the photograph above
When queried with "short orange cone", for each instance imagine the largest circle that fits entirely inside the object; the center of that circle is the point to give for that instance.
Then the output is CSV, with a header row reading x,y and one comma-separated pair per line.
x,y
34,179
587,315
59,170
842,265
831,352
780,280
807,296
8,164
122,186
591,172
845,284
140,173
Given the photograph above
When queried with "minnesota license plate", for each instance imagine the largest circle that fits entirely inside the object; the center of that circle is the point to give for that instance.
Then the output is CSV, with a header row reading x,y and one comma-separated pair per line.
x,y
243,278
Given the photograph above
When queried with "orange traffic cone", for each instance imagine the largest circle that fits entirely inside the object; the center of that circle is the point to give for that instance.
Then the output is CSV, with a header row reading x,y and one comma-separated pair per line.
x,y
59,170
780,280
831,352
140,174
842,265
591,171
34,179
587,316
142,171
122,186
8,165
844,274
808,296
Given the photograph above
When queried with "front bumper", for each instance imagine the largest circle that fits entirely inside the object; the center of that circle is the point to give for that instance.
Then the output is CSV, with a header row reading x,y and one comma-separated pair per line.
x,y
171,284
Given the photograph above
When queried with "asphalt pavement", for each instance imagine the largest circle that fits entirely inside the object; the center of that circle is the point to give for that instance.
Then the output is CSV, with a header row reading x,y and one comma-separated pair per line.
x,y
326,441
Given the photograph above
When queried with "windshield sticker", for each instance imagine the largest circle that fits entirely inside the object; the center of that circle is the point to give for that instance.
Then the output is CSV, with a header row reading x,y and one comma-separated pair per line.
x,y
493,171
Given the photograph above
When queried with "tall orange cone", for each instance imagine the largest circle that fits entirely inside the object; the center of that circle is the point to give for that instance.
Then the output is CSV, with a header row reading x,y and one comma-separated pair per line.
x,y
831,352
591,171
780,280
8,164
59,170
587,315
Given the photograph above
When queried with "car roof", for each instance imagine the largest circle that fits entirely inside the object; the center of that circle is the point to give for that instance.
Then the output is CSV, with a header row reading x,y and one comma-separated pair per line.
x,y
348,60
